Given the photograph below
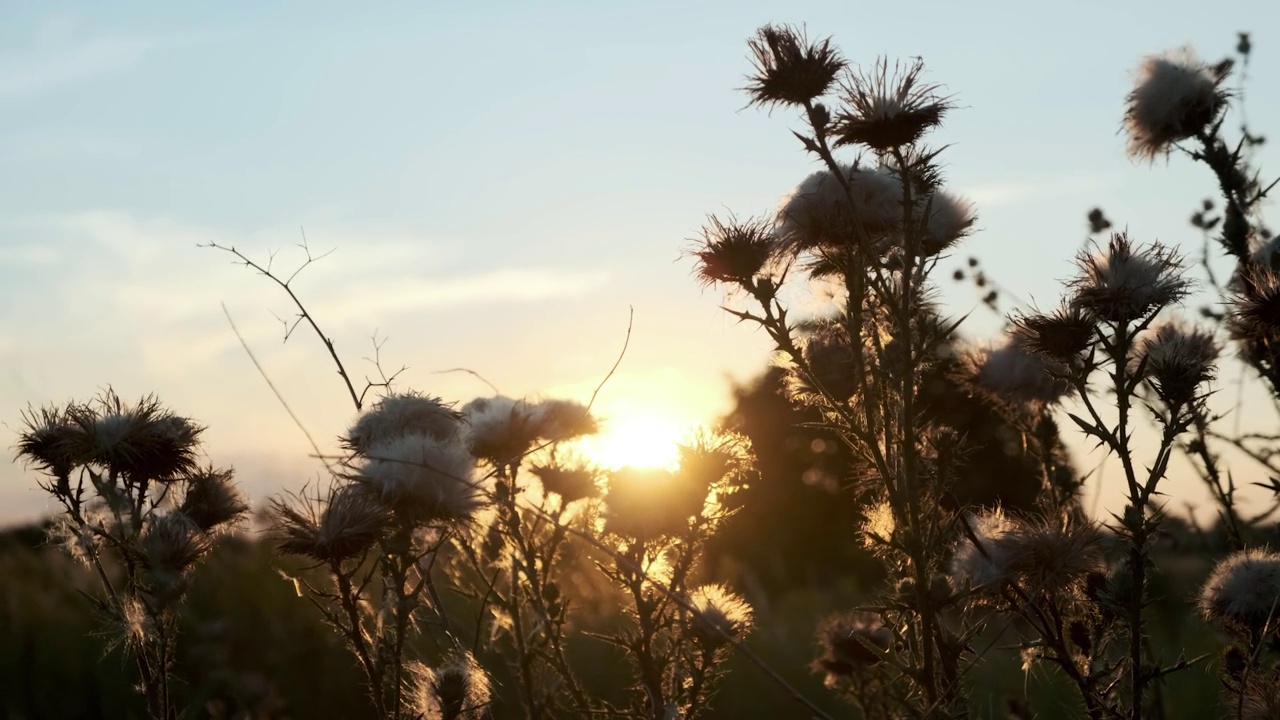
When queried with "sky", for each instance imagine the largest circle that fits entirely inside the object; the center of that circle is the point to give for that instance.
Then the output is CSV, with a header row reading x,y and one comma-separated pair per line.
x,y
503,187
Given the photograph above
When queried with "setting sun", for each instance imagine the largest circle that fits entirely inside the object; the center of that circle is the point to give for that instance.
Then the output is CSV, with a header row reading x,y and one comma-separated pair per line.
x,y
643,441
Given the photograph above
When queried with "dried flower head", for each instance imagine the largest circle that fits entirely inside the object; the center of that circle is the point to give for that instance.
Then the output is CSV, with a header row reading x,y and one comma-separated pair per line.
x,y
649,503
572,482
888,109
1243,591
172,543
1051,557
1176,96
879,525
49,439
733,252
341,526
721,615
949,220
212,500
1260,695
423,479
819,213
1061,335
789,70
500,429
1017,375
982,565
557,419
851,641
1179,360
1255,307
142,441
398,415
458,689
1126,283
720,461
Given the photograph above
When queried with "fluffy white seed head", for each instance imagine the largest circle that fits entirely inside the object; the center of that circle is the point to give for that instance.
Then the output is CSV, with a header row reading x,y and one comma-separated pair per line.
x,y
1175,96
1243,591
1016,375
1179,360
973,567
458,689
1125,283
719,612
424,478
399,415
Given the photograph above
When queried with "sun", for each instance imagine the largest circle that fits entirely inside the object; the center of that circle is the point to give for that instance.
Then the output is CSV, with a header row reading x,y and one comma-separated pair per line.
x,y
636,441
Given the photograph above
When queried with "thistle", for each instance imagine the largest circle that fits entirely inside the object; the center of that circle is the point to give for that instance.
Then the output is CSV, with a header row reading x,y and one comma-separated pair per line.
x,y
1176,96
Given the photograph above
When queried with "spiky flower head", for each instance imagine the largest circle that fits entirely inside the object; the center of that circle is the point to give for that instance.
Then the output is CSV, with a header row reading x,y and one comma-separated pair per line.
x,y
851,641
423,479
789,70
458,689
1053,557
733,252
1179,359
212,500
888,109
1016,375
143,441
982,564
336,528
720,615
401,414
1243,591
572,482
171,544
1255,307
719,460
650,503
1061,335
49,439
1126,283
1176,96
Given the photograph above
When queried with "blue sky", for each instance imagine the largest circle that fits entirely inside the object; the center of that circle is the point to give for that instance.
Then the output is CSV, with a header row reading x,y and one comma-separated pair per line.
x,y
501,185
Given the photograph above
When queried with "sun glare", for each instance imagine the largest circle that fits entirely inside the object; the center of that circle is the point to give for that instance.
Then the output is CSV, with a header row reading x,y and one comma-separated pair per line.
x,y
636,442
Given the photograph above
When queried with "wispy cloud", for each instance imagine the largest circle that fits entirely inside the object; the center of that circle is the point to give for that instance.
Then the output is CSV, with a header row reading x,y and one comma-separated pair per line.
x,y
1004,194
149,274
55,57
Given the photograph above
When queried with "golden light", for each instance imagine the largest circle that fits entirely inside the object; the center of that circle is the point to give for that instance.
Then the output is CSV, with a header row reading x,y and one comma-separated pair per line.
x,y
636,441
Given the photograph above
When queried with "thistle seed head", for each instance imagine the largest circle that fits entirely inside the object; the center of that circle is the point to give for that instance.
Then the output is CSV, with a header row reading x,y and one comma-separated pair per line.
x,y
888,109
733,252
718,613
851,641
1243,591
982,565
398,415
789,70
1125,283
458,689
650,503
212,500
1175,97
1017,375
1179,360
423,479
1061,335
343,525
570,482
